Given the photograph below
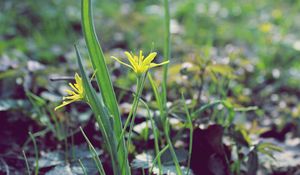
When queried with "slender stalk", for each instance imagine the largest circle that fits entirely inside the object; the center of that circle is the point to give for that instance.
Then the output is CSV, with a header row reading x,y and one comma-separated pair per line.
x,y
82,167
166,50
173,154
156,137
132,113
94,154
164,120
158,158
26,162
140,84
36,171
164,83
66,148
190,125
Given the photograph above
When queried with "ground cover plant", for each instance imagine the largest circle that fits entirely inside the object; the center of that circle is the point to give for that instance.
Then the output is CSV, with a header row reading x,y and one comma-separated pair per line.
x,y
149,87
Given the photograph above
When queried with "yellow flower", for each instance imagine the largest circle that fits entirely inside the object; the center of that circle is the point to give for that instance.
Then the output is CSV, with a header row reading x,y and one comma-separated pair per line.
x,y
265,27
139,64
76,94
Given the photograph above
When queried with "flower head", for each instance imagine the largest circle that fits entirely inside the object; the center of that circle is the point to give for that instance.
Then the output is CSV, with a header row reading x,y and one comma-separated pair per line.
x,y
265,27
140,64
76,94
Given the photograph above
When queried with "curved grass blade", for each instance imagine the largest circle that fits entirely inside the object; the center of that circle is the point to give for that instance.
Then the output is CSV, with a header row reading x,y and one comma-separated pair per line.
x,y
190,126
36,152
156,136
26,162
158,157
196,113
82,167
94,154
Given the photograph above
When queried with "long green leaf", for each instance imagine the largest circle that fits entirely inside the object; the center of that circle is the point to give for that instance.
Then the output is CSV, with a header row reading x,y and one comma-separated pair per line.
x,y
98,60
196,113
102,116
103,78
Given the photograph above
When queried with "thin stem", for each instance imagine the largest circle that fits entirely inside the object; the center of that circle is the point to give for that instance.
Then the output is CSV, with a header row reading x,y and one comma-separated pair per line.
x,y
173,154
158,158
190,125
82,167
36,171
140,84
94,153
166,50
164,83
156,137
131,116
26,162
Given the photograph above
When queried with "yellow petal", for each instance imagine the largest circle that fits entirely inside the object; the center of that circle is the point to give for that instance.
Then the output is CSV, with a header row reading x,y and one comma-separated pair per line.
x,y
155,65
64,104
131,60
70,92
73,97
74,88
141,58
118,60
77,79
149,58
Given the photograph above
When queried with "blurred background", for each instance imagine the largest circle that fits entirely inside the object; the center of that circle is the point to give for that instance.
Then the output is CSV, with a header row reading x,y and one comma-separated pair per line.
x,y
246,52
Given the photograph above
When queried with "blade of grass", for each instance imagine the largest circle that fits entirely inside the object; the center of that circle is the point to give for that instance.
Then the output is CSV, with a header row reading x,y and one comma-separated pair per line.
x,y
94,154
204,107
190,125
156,137
156,94
165,125
167,46
83,168
158,157
26,162
167,55
97,58
173,154
36,152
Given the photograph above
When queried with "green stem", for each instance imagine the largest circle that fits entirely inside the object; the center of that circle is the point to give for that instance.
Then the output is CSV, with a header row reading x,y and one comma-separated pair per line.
x,y
173,154
140,84
157,158
94,154
164,83
156,137
26,162
166,50
132,113
82,167
36,172
190,125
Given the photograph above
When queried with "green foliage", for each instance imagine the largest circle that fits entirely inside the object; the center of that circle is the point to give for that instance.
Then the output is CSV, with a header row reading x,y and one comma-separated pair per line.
x,y
232,64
